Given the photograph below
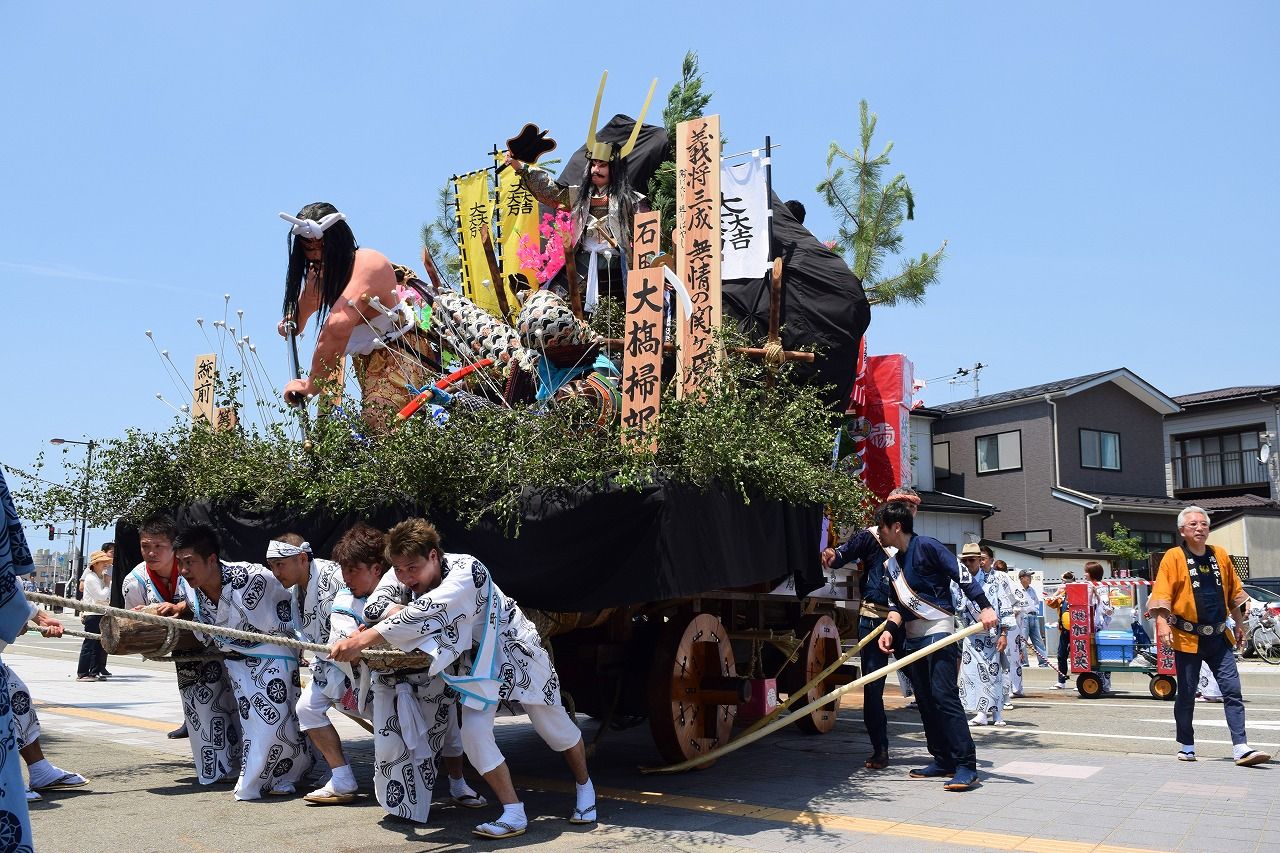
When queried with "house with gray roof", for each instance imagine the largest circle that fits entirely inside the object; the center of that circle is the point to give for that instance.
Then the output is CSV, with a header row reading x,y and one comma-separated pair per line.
x,y
1062,461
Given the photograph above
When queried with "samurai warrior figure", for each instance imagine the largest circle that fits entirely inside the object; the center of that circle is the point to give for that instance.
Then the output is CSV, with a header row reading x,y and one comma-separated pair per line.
x,y
603,204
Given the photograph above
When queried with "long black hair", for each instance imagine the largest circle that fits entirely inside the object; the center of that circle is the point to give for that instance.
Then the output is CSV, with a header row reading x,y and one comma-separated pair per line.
x,y
621,199
339,256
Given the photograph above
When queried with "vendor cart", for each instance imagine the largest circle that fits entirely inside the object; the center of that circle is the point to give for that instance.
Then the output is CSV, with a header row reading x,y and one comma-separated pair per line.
x,y
1115,647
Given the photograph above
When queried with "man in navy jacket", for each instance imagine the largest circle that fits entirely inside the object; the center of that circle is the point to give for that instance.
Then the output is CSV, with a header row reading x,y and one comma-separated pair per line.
x,y
920,613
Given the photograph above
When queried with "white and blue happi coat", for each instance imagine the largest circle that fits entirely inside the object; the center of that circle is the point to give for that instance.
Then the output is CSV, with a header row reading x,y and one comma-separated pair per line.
x,y
314,606
480,642
208,703
15,610
984,682
414,718
264,676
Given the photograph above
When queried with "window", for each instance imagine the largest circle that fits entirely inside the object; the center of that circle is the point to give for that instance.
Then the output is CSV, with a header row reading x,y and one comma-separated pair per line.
x,y
941,460
1153,541
1218,460
1099,449
1000,452
1028,536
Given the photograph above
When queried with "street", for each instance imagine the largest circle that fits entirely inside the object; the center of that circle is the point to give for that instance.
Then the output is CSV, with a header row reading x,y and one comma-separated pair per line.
x,y
1067,774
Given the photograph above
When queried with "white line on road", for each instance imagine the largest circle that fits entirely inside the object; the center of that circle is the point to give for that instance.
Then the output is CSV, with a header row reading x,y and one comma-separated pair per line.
x,y
1024,730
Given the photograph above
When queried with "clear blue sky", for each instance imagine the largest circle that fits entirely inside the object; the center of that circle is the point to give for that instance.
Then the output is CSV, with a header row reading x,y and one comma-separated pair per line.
x,y
1106,174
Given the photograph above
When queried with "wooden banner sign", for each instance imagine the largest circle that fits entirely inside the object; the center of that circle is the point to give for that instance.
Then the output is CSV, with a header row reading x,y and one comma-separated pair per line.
x,y
697,241
203,389
642,337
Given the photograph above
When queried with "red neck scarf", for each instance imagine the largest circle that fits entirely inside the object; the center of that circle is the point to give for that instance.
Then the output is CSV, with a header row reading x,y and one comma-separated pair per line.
x,y
167,587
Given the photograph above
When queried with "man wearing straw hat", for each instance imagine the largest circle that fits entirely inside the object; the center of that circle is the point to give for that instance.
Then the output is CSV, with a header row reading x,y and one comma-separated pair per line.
x,y
920,614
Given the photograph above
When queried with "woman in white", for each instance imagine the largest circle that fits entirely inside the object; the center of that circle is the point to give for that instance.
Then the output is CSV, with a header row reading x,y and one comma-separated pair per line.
x,y
95,587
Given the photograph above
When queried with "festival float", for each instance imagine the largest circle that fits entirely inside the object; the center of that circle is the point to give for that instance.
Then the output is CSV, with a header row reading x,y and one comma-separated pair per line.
x,y
630,421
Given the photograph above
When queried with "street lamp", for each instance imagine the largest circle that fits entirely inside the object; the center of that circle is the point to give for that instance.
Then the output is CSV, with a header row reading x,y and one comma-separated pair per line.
x,y
84,498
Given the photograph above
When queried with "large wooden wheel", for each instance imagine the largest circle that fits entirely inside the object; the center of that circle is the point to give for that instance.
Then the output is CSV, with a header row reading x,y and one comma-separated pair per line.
x,y
694,690
821,647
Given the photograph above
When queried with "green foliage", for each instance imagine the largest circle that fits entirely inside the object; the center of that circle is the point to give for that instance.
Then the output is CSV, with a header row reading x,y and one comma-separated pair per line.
x,y
1121,544
869,215
759,434
685,101
440,238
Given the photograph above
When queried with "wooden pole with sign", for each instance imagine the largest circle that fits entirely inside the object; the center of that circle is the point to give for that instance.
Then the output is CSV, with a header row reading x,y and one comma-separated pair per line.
x,y
203,390
697,241
642,336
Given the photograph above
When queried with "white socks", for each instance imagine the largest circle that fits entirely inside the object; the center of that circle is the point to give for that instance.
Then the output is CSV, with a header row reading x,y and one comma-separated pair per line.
x,y
343,780
1239,749
42,773
1190,747
514,815
584,795
459,788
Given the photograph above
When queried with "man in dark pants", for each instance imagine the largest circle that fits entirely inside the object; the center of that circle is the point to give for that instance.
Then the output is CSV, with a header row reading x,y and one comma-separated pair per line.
x,y
1195,588
873,588
1058,601
920,614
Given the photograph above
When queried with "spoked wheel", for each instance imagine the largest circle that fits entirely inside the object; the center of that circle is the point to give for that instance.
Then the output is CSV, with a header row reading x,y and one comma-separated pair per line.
x,y
1163,687
694,690
1089,684
1265,646
821,647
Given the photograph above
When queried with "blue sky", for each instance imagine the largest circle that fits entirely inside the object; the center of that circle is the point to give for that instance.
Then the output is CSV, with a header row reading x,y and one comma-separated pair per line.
x,y
1105,174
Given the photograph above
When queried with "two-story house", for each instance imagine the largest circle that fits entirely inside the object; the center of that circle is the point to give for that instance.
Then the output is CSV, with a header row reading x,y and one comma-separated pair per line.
x,y
1221,453
1062,461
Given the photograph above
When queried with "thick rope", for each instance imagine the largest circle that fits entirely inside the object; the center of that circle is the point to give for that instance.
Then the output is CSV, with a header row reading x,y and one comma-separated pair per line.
x,y
70,632
815,704
383,656
774,354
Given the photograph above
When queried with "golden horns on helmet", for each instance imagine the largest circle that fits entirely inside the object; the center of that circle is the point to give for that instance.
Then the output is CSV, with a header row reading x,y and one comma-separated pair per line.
x,y
597,150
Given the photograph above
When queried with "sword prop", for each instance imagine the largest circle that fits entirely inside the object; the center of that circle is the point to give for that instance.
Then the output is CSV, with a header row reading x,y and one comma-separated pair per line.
x,y
295,370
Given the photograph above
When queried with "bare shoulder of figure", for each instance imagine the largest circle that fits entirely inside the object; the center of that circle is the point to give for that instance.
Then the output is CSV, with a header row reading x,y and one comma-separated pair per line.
x,y
371,273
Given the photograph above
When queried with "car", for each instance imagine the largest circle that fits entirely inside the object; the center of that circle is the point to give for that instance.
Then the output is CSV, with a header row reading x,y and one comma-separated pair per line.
x,y
1261,602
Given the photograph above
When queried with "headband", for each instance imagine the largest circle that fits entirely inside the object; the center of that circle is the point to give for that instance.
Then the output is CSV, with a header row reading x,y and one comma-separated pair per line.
x,y
277,549
310,229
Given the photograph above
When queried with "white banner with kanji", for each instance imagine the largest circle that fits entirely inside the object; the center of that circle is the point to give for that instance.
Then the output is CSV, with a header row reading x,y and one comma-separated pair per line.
x,y
744,219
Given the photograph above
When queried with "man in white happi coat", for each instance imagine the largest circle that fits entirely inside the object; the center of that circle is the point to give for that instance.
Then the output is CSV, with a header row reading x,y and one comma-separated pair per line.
x,y
984,669
484,648
1017,636
264,675
208,702
45,776
315,583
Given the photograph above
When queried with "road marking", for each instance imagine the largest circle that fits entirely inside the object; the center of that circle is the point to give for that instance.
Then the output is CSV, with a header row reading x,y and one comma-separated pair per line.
x,y
1031,730
848,823
1037,768
1266,725
105,717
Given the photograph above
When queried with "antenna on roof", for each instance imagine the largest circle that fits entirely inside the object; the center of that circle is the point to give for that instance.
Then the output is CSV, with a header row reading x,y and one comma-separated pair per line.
x,y
960,377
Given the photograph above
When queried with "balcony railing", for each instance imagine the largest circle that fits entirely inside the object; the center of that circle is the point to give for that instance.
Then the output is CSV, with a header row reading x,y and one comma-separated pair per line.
x,y
1218,470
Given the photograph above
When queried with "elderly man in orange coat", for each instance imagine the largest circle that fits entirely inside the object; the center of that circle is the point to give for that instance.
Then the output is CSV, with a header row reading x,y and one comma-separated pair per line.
x,y
1195,589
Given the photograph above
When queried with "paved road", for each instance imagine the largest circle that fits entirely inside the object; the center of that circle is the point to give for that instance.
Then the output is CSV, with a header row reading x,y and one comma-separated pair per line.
x,y
1066,775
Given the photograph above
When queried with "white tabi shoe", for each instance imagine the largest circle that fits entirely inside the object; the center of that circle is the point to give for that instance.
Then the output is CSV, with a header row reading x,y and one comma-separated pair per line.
x,y
499,829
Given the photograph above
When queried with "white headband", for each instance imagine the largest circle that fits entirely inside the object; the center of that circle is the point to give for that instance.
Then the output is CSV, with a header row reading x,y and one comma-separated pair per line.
x,y
277,549
310,228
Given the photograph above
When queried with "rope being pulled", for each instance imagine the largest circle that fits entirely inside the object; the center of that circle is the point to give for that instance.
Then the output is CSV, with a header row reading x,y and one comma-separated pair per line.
x,y
382,657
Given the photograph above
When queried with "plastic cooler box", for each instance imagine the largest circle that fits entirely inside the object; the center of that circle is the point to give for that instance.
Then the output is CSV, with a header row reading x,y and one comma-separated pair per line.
x,y
1114,646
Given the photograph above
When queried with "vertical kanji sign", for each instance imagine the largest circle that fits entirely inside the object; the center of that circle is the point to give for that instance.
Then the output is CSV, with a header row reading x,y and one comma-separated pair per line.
x,y
202,390
697,239
642,338
1080,652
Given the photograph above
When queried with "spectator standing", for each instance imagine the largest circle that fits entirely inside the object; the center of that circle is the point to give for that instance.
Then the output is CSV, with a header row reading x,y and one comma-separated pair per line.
x,y
1034,621
1058,601
1195,592
95,588
1101,608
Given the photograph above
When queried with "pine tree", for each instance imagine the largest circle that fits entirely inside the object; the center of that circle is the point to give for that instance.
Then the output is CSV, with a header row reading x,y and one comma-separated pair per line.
x,y
440,238
869,215
685,101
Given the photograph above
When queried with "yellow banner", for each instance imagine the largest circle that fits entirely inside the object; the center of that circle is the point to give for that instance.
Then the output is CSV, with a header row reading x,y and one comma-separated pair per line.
x,y
517,215
475,213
